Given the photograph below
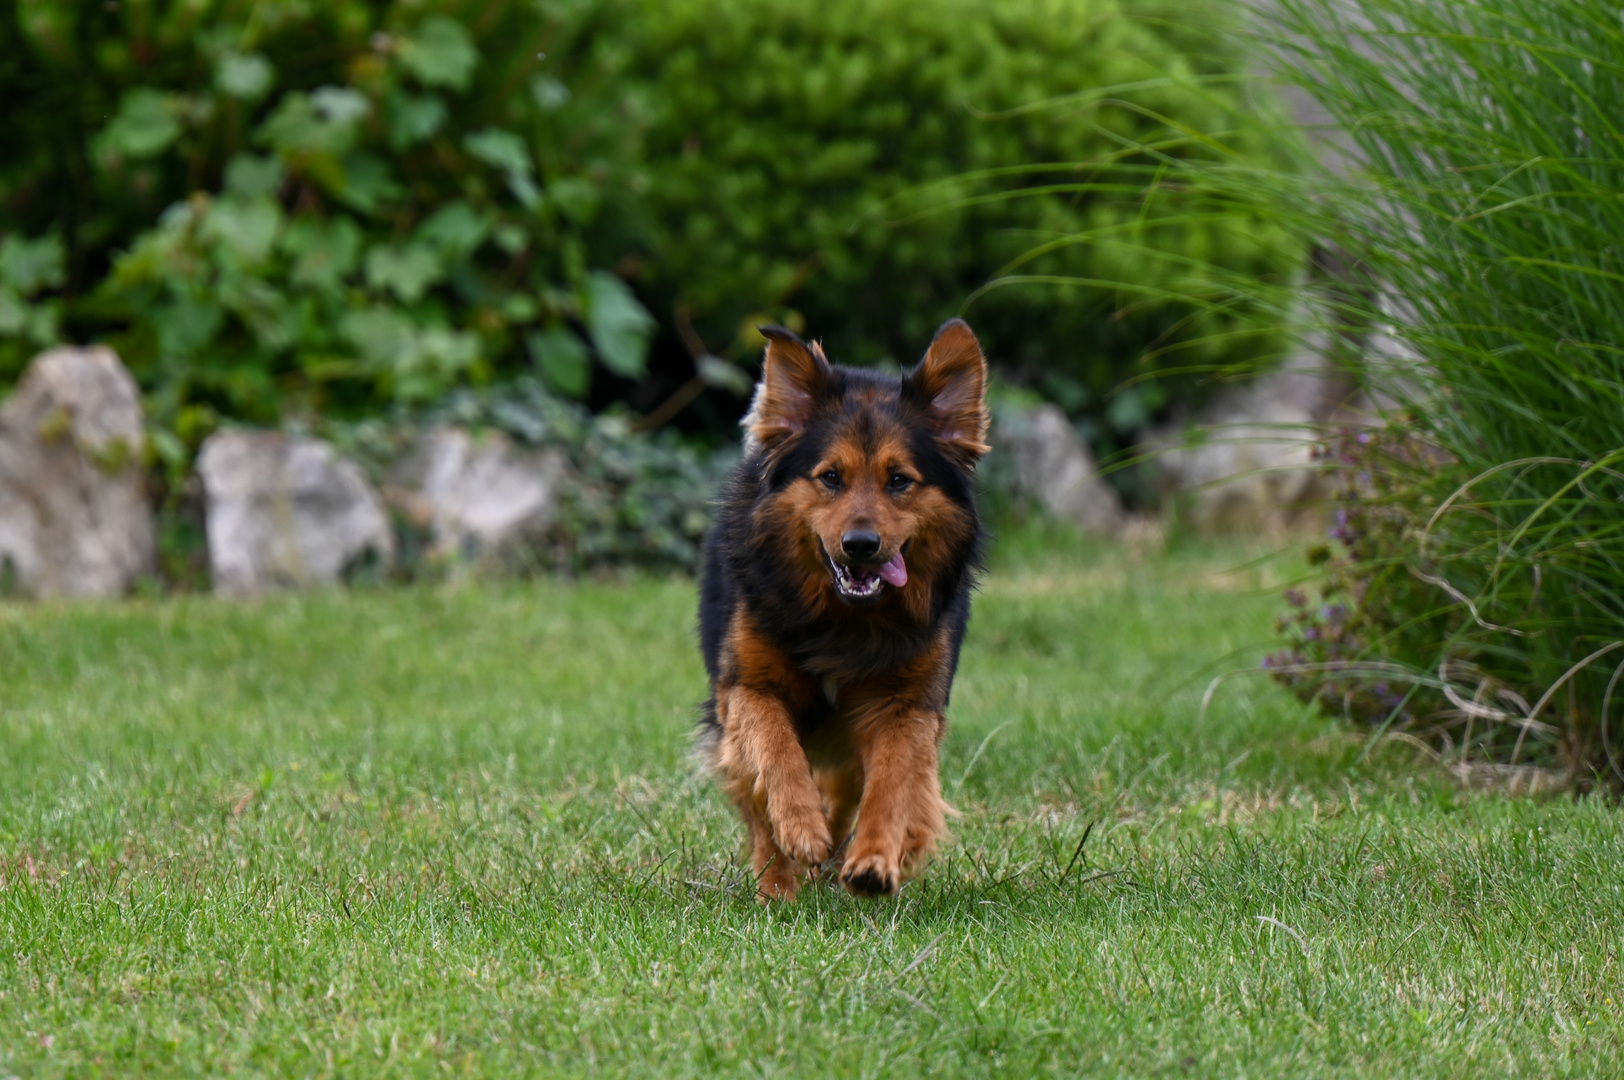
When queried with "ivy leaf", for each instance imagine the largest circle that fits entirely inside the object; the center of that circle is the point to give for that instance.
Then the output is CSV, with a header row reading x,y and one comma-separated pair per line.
x,y
413,119
185,325
405,270
715,372
29,265
253,176
456,228
563,360
31,320
548,93
417,363
244,75
440,53
503,149
620,326
508,152
366,182
340,104
378,334
246,227
146,123
576,198
298,125
324,252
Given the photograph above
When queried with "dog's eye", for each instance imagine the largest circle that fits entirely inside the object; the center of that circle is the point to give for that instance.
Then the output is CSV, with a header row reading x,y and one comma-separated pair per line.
x,y
831,480
900,483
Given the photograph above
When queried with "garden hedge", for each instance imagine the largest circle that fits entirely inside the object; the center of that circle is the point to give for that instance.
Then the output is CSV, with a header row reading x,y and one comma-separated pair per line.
x,y
869,164
281,209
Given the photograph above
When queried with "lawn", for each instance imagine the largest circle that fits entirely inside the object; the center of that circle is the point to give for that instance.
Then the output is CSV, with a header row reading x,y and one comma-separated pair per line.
x,y
457,830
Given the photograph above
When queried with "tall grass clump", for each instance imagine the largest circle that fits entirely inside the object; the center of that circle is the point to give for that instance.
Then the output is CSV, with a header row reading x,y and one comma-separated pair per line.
x,y
1479,596
1468,208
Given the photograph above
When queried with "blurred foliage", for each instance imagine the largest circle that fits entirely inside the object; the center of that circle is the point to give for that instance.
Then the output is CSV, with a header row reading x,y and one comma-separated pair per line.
x,y
870,164
278,208
630,499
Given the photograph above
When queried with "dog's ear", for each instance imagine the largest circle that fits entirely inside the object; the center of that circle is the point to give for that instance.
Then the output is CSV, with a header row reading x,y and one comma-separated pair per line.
x,y
793,376
950,384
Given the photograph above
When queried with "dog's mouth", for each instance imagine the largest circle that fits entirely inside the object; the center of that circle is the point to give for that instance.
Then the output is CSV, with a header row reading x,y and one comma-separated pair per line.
x,y
867,582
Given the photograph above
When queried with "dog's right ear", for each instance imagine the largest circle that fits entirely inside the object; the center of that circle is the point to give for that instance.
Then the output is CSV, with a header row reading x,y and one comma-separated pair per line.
x,y
793,376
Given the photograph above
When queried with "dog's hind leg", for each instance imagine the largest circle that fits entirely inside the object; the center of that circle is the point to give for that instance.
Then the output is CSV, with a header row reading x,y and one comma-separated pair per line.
x,y
842,788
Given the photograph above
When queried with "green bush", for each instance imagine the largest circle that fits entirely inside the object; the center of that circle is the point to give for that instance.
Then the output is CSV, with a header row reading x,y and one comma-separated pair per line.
x,y
282,208
276,208
1484,237
851,164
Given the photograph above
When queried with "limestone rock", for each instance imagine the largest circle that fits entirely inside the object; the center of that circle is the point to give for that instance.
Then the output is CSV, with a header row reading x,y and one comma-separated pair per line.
x,y
1244,462
481,498
74,516
286,512
1051,464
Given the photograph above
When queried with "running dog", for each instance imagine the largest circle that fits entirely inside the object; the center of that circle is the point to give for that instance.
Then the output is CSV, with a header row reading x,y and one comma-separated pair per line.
x,y
833,602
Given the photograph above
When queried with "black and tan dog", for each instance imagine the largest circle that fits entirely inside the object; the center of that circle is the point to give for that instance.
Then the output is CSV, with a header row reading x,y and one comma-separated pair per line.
x,y
835,595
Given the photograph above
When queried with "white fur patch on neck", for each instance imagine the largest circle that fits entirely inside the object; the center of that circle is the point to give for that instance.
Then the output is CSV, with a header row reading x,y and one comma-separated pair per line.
x,y
752,445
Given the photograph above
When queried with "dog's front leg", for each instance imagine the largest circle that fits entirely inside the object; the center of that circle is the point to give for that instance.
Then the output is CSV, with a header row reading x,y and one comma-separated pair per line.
x,y
901,815
769,776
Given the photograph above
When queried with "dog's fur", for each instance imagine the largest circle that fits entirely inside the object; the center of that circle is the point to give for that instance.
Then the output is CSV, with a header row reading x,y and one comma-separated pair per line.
x,y
828,700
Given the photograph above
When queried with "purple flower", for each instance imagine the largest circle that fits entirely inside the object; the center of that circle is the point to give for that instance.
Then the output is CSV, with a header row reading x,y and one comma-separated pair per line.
x,y
1311,634
1364,438
1295,598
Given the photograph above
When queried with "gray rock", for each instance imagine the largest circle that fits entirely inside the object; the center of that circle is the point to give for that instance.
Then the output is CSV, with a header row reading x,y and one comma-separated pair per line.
x,y
286,512
483,499
74,516
1244,462
1049,462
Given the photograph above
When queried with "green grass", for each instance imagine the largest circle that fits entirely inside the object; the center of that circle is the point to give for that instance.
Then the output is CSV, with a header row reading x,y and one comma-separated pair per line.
x,y
425,831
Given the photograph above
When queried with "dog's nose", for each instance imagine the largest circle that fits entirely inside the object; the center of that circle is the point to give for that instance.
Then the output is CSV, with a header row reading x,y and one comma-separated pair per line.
x,y
860,544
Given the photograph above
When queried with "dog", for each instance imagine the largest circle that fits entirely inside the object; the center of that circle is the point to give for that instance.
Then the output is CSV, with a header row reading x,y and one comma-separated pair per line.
x,y
834,598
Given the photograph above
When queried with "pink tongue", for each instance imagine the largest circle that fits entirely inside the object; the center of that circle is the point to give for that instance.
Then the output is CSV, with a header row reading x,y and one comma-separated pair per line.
x,y
895,571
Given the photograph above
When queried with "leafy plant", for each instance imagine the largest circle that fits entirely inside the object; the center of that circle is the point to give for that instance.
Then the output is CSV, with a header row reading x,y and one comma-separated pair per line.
x,y
1360,639
347,200
29,316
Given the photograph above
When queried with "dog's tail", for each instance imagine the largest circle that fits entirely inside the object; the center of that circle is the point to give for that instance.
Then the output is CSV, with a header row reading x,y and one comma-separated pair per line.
x,y
708,736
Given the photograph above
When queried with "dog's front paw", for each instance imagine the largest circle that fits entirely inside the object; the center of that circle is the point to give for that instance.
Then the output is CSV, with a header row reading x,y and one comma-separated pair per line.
x,y
802,833
873,874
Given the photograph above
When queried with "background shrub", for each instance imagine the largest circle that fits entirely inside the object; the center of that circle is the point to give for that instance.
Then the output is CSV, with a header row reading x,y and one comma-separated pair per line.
x,y
862,167
277,208
280,210
1485,559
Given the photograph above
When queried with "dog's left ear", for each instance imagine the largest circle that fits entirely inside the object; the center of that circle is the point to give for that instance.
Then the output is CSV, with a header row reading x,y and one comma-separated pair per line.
x,y
950,383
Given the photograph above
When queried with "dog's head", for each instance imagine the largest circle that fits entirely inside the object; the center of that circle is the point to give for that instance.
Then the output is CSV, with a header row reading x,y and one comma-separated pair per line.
x,y
869,477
